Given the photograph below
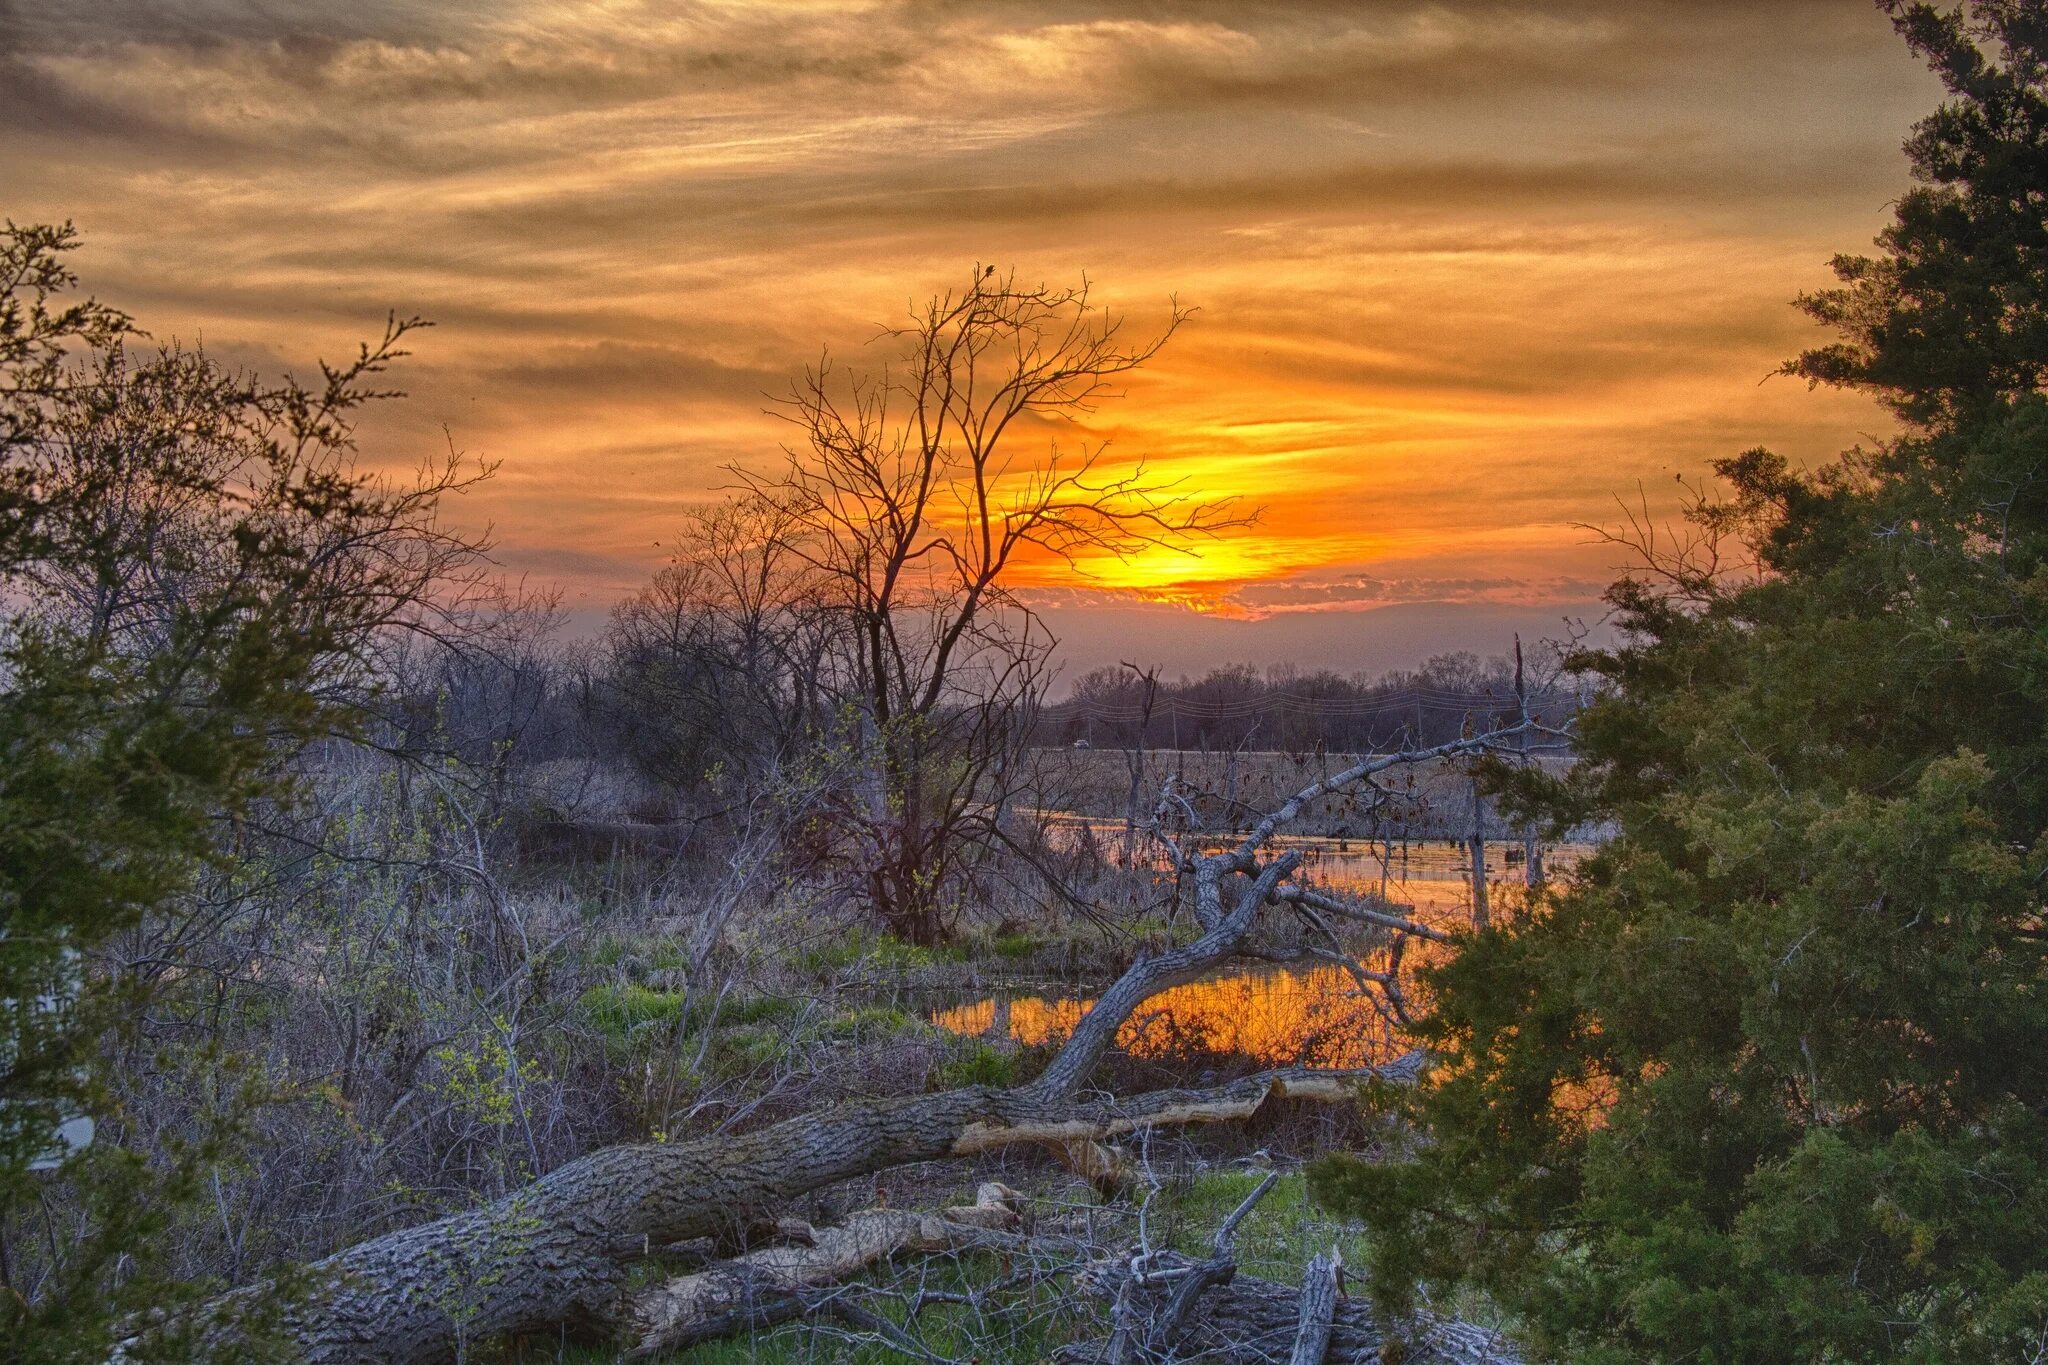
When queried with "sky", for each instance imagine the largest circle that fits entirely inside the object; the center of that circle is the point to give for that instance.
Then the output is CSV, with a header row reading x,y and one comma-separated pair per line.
x,y
1466,273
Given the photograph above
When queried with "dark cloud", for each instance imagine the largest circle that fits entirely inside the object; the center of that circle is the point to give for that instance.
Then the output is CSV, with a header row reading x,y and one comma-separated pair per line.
x,y
912,194
1319,592
264,80
1190,643
614,372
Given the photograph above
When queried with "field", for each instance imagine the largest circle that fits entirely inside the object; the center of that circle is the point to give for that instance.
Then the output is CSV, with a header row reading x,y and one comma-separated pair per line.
x,y
1229,790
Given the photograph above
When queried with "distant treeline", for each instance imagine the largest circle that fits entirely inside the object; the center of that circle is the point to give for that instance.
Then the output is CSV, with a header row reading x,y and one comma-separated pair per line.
x,y
1283,708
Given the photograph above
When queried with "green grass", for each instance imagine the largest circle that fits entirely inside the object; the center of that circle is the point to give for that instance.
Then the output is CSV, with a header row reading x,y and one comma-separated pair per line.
x,y
1277,1238
978,1063
625,1013
870,1022
622,1011
883,952
1015,947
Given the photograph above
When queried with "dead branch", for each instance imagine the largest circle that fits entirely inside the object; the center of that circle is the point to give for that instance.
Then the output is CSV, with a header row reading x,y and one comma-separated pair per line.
x,y
1220,1268
764,1287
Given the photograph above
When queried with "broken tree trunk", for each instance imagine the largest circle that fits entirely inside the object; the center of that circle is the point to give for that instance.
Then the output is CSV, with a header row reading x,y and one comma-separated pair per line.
x,y
556,1251
1318,1312
762,1288
1250,1321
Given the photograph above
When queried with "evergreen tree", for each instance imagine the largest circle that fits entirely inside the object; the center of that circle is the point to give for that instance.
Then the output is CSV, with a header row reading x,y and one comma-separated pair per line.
x,y
190,569
1765,1079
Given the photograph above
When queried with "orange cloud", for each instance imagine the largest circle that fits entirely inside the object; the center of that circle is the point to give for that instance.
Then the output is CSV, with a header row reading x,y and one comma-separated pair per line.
x,y
1465,270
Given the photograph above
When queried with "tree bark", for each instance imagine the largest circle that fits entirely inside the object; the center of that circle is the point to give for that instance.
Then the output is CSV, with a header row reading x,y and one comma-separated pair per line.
x,y
1318,1311
1251,1321
765,1287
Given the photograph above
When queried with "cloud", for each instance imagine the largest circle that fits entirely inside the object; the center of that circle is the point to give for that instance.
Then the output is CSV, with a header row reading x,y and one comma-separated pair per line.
x,y
1464,265
614,372
1323,592
1327,590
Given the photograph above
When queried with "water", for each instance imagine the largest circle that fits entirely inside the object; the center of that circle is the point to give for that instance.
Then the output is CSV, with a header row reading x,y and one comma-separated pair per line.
x,y
1314,1016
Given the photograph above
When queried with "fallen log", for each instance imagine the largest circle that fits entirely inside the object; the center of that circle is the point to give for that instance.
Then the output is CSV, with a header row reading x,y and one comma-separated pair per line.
x,y
558,1249
762,1288
1250,1321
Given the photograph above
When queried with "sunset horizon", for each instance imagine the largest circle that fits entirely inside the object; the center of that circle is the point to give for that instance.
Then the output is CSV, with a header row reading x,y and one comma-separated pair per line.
x,y
1123,681
1464,275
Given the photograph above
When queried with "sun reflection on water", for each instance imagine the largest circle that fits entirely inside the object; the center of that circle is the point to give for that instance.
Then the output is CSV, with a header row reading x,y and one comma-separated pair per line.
x,y
1276,1017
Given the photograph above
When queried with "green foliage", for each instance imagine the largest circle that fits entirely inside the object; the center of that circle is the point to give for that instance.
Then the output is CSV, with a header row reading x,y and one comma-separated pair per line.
x,y
1764,1080
1277,1238
881,952
478,1076
179,580
979,1063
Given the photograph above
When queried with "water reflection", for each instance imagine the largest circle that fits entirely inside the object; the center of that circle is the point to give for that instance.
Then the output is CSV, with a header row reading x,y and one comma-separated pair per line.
x,y
1307,1017
1278,1018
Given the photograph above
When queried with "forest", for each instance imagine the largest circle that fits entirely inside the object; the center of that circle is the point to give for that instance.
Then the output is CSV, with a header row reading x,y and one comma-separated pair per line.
x,y
797,966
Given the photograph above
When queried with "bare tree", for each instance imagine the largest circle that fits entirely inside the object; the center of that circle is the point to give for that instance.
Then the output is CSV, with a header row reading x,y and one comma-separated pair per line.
x,y
718,662
174,466
915,495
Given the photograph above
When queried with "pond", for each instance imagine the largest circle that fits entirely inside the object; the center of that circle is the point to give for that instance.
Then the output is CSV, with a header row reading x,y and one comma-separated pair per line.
x,y
1285,1016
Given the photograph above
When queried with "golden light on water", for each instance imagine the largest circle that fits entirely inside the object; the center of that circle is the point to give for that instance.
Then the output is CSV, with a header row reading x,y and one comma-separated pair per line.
x,y
1288,1017
1280,1018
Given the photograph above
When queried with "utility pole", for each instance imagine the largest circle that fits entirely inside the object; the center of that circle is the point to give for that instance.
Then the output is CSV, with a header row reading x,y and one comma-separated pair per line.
x,y
1478,844
1532,847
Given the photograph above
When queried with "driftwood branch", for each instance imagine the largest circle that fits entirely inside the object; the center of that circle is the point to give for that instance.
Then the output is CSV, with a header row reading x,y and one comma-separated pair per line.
x,y
1294,894
1139,1336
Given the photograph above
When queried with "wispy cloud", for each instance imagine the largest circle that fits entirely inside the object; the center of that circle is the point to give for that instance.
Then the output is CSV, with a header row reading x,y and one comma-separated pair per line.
x,y
1464,266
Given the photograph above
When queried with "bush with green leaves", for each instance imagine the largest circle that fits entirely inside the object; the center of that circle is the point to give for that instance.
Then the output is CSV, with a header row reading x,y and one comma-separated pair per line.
x,y
193,580
1764,1079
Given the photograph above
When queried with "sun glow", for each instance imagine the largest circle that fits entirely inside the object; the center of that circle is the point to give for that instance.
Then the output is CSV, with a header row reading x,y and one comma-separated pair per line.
x,y
1439,323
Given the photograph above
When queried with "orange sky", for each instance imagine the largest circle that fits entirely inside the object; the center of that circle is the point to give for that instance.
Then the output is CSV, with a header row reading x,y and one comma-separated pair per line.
x,y
1465,271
